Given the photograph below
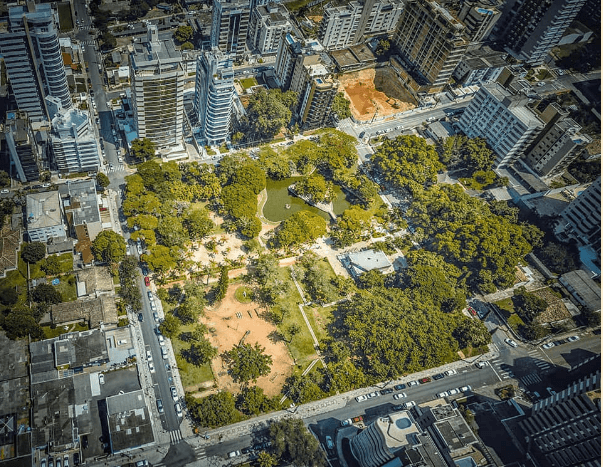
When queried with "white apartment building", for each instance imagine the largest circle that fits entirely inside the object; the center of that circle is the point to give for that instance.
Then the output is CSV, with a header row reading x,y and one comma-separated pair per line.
x,y
44,217
29,44
267,25
74,143
157,79
346,25
503,119
214,92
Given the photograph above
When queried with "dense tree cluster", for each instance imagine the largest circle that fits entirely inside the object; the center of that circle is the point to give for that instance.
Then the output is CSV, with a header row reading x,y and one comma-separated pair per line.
x,y
109,247
317,284
469,154
129,291
265,274
248,362
301,227
293,444
341,106
33,252
267,113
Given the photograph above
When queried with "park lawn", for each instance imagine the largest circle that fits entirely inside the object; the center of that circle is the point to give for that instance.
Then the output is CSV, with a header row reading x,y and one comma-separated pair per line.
x,y
319,318
247,83
508,311
34,269
49,332
68,291
190,374
302,345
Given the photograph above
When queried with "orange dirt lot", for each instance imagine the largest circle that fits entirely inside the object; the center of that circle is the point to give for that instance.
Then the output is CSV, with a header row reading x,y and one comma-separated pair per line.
x,y
375,89
229,329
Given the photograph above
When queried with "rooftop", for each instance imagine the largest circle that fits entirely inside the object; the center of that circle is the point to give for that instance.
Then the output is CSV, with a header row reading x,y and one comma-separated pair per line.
x,y
367,260
452,427
15,361
94,311
129,421
43,210
81,349
521,112
580,283
80,201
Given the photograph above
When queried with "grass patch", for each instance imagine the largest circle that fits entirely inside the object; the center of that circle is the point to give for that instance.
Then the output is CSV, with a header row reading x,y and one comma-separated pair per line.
x,y
223,149
320,318
34,269
302,345
508,311
247,83
65,18
66,262
67,289
210,151
297,5
49,332
244,294
190,374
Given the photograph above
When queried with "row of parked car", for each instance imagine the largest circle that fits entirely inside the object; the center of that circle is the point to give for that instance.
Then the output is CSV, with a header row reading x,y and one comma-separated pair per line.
x,y
60,461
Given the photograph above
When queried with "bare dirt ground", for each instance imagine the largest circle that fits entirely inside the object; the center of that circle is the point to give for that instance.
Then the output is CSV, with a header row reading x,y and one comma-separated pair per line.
x,y
228,330
375,89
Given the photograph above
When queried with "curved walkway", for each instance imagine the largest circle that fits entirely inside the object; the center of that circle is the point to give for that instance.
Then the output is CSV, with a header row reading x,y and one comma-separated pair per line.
x,y
263,198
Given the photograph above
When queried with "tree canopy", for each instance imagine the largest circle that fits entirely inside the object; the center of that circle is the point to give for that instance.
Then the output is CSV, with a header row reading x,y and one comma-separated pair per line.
x,y
33,252
267,113
109,246
142,149
293,444
301,227
341,106
247,362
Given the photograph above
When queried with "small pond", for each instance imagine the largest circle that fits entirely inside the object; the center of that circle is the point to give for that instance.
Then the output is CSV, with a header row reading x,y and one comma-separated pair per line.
x,y
276,210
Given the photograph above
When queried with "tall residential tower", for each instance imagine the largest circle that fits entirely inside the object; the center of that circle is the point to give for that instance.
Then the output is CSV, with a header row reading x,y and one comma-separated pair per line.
x,y
229,25
29,43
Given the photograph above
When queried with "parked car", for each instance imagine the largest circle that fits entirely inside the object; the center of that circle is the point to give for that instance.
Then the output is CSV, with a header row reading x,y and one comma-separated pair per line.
x,y
151,367
409,405
450,372
452,392
427,379
442,394
573,339
149,356
465,388
150,295
400,395
161,339
66,461
233,454
548,345
370,395
147,281
481,364
178,409
438,376
160,406
174,393
361,398
386,391
397,408
5,191
413,383
101,378
329,442
156,317
511,342
399,387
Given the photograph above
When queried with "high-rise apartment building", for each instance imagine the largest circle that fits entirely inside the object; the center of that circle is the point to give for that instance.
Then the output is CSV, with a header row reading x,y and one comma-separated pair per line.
x,y
315,88
346,25
581,220
503,119
559,143
268,24
479,66
564,429
529,29
22,148
74,143
214,92
288,50
157,79
29,43
229,25
430,41
479,18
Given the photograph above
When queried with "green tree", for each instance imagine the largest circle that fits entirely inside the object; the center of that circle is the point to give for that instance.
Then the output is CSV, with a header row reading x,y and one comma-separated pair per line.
x,y
408,162
142,149
170,326
292,443
239,201
267,113
533,331
252,401
222,286
382,47
33,252
301,227
341,106
200,352
109,40
172,231
316,188
198,223
274,164
151,174
161,258
51,265
9,297
21,323
247,362
187,46
108,246
217,410
472,333
265,459
293,330
4,179
528,305
251,176
46,293
102,180
183,33
249,227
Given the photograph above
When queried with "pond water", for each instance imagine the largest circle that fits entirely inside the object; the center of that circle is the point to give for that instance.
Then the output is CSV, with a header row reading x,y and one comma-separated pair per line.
x,y
278,198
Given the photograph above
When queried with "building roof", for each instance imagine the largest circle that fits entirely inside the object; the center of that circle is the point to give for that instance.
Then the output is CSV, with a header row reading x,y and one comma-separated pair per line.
x,y
580,283
10,241
441,130
367,260
94,311
80,202
96,279
15,361
81,349
515,104
129,421
452,428
43,210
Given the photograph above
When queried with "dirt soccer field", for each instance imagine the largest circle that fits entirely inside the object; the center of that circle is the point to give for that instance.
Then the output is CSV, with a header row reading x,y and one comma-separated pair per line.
x,y
231,320
375,89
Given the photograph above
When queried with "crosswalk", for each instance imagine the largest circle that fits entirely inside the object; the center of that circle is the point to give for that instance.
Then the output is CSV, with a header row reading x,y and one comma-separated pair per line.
x,y
200,452
85,27
88,42
175,436
119,168
505,373
530,379
536,356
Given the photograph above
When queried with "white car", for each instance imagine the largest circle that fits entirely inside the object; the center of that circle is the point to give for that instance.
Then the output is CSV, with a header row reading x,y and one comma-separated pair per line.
x,y
370,395
548,345
442,394
101,378
5,191
452,392
361,398
174,393
573,339
178,409
413,383
234,454
161,339
511,342
151,367
408,405
149,356
120,159
465,388
401,395
450,372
